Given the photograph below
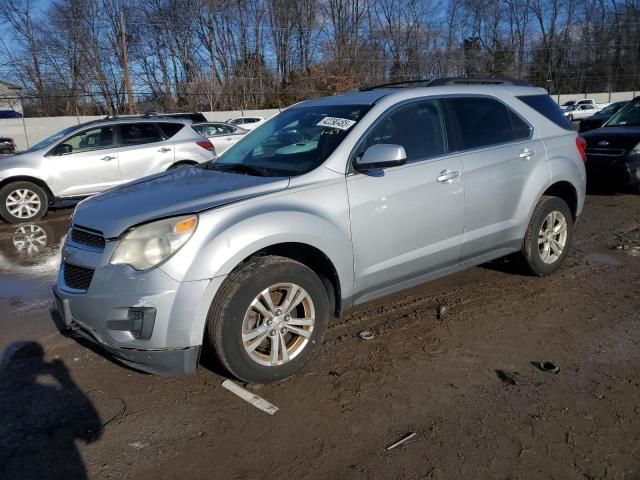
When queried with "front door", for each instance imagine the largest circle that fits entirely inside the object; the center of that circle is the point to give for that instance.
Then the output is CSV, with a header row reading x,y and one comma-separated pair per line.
x,y
85,163
408,221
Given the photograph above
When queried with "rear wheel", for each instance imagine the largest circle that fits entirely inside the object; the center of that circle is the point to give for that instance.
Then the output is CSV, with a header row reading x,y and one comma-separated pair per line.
x,y
22,202
549,235
268,319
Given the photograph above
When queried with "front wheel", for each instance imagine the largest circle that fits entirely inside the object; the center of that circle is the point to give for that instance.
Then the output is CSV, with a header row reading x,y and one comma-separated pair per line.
x,y
268,319
22,202
548,237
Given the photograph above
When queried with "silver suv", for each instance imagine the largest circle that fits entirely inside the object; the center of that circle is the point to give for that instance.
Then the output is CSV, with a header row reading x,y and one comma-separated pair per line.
x,y
91,157
332,203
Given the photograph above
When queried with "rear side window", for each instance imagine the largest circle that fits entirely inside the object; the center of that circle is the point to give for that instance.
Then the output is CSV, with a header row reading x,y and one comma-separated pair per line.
x,y
170,129
139,133
545,105
482,121
416,126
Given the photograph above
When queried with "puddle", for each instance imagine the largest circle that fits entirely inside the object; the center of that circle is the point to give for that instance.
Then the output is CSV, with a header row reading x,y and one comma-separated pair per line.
x,y
29,261
605,258
614,256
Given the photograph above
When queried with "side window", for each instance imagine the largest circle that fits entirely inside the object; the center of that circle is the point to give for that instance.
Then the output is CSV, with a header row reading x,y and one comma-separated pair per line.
x,y
93,139
521,129
139,133
416,126
482,121
225,129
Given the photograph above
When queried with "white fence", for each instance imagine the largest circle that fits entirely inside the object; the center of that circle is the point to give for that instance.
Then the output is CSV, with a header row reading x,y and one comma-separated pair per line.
x,y
600,97
29,131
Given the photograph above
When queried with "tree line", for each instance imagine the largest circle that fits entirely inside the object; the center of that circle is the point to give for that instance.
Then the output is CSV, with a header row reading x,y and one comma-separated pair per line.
x,y
77,57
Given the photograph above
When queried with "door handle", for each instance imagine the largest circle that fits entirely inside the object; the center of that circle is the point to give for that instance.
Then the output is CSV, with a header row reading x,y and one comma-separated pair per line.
x,y
107,158
447,176
164,149
228,139
526,153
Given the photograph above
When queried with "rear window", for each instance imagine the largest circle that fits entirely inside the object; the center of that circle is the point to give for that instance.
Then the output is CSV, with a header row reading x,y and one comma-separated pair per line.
x,y
544,105
170,129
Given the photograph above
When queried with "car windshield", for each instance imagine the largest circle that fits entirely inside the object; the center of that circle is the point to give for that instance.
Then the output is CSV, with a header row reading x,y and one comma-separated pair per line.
x,y
294,142
49,140
611,109
629,116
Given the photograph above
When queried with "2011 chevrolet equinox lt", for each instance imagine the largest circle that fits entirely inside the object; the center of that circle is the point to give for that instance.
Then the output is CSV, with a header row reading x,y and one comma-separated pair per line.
x,y
331,203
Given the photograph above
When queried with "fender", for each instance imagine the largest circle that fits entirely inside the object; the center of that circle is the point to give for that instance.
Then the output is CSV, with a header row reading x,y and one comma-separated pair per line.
x,y
229,235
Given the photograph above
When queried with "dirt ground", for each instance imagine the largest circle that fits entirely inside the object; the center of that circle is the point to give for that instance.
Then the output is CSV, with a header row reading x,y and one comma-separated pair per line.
x,y
465,383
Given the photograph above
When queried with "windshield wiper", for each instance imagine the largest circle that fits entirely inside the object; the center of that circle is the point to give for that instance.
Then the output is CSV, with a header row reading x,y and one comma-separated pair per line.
x,y
239,168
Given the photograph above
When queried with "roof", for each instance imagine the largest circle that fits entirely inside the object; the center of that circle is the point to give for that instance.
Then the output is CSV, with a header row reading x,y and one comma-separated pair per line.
x,y
370,97
11,85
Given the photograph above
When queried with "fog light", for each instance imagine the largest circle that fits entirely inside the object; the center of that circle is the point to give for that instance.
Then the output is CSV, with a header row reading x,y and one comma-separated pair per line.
x,y
140,322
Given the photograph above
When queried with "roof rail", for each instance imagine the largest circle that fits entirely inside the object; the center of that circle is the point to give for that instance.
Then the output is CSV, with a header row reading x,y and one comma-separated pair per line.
x,y
396,84
440,82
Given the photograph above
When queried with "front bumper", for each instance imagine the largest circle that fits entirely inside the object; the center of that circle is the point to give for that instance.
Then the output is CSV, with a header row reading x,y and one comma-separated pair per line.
x,y
112,312
622,171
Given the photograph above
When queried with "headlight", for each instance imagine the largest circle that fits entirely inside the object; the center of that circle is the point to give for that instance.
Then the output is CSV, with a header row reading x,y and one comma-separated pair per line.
x,y
147,245
636,149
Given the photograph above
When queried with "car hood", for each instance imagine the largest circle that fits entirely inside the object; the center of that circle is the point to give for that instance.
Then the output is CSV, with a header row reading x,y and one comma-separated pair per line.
x,y
182,191
617,137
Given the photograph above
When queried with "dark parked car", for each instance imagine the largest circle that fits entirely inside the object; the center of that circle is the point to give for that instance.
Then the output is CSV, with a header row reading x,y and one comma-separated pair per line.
x,y
613,151
599,119
7,145
10,114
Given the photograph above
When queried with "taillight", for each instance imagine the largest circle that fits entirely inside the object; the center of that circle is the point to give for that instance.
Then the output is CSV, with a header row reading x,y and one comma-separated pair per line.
x,y
581,145
206,144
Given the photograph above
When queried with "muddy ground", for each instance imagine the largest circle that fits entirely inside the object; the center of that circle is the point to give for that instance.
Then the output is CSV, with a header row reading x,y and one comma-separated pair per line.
x,y
465,383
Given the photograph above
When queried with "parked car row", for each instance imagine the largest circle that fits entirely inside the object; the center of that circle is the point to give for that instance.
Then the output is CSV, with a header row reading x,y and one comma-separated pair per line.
x,y
613,150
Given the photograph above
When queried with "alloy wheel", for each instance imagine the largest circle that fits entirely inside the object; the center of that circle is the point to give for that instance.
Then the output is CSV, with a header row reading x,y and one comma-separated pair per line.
x,y
278,324
552,238
23,203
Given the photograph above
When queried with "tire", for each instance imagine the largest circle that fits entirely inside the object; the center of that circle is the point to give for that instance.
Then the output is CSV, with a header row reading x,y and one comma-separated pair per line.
x,y
536,258
232,316
35,197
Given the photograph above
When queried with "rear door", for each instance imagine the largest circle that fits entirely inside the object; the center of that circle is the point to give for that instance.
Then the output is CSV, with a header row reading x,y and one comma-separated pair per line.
x,y
407,221
225,136
85,163
500,156
143,150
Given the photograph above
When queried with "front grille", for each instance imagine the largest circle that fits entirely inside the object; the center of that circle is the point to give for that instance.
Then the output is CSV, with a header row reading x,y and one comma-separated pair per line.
x,y
78,278
606,152
87,238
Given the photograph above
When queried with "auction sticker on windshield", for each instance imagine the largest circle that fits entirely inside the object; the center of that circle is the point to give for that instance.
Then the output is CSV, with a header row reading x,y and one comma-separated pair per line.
x,y
335,122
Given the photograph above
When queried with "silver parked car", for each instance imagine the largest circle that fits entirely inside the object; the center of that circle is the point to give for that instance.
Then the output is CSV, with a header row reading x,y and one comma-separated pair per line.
x,y
331,203
91,157
221,135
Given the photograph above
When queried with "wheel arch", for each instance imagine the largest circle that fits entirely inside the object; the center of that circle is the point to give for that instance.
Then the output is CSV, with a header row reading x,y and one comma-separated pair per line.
x,y
182,162
26,178
567,192
313,258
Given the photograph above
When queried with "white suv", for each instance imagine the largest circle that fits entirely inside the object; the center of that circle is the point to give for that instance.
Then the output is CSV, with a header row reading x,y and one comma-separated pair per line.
x,y
91,157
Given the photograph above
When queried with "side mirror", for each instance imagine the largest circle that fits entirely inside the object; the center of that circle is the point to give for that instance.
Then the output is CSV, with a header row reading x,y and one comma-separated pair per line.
x,y
382,155
62,149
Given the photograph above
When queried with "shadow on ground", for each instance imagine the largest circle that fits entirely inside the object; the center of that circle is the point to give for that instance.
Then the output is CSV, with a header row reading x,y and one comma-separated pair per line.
x,y
43,416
